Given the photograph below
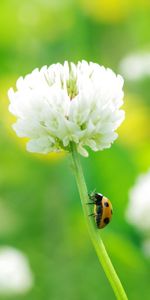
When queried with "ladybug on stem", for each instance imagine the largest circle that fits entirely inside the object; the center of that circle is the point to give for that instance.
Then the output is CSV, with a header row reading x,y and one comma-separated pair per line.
x,y
102,209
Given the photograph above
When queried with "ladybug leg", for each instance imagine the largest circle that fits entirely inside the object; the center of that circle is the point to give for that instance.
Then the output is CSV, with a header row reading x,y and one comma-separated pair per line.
x,y
92,198
90,203
92,194
91,215
89,194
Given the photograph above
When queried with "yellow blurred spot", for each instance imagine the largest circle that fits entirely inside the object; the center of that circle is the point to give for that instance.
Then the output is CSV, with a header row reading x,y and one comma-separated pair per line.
x,y
113,11
108,11
52,157
142,4
135,129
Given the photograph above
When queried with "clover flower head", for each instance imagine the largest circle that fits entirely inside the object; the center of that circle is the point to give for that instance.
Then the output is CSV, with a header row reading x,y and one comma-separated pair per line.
x,y
146,247
15,274
138,210
67,103
136,66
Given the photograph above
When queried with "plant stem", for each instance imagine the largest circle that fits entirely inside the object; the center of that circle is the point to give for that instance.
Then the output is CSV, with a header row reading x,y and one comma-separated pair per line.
x,y
93,231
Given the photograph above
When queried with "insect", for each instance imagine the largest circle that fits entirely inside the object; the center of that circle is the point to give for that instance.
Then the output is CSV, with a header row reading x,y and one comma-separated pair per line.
x,y
102,209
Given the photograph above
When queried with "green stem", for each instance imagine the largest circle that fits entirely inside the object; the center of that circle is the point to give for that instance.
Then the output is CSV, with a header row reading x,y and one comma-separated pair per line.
x,y
93,231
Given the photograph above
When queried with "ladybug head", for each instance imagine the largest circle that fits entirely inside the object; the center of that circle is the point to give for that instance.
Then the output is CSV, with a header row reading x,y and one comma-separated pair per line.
x,y
98,198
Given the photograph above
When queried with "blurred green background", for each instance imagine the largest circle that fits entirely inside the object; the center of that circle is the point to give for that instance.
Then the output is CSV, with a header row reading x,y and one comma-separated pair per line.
x,y
40,210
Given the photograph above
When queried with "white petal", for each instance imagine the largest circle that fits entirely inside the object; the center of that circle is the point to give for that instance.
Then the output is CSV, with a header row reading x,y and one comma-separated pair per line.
x,y
42,145
82,150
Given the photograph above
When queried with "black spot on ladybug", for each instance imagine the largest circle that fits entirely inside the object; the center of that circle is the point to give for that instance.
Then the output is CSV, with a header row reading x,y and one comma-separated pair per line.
x,y
106,220
106,204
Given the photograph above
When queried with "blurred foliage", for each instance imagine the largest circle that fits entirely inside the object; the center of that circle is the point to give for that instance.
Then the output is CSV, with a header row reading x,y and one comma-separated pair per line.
x,y
40,209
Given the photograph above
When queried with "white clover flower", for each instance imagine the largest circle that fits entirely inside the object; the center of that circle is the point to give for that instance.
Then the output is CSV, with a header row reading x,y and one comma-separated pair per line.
x,y
64,103
15,273
136,65
146,247
138,210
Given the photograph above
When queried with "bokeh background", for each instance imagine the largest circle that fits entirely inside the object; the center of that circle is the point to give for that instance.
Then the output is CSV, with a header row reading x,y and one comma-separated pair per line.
x,y
40,210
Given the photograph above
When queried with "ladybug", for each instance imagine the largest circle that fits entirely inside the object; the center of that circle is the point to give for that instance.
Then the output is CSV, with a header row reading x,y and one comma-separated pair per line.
x,y
102,209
